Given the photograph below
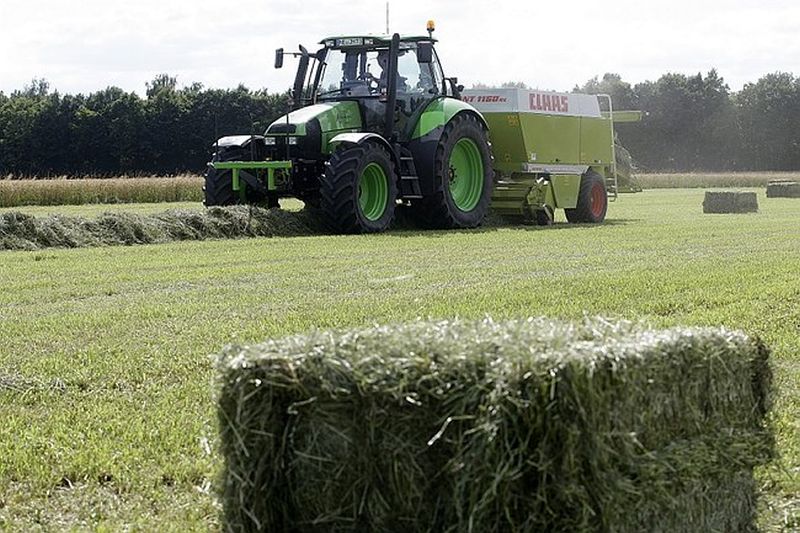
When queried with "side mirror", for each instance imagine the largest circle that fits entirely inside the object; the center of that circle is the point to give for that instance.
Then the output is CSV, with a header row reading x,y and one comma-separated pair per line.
x,y
279,58
455,88
425,53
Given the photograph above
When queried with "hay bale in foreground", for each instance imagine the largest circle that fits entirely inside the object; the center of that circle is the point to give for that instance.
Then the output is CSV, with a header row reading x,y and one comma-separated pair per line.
x,y
783,189
730,202
527,425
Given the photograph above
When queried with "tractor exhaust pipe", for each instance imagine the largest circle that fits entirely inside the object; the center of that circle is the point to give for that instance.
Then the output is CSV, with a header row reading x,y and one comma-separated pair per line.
x,y
299,79
391,90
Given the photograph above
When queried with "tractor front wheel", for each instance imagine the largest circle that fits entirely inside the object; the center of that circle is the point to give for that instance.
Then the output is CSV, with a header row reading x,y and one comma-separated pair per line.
x,y
358,191
218,186
592,200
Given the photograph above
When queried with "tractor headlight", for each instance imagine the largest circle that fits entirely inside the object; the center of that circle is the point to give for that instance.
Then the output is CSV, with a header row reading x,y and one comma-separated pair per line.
x,y
293,140
269,141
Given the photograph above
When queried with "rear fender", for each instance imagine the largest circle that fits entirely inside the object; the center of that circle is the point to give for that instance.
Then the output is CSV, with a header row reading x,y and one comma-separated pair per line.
x,y
441,111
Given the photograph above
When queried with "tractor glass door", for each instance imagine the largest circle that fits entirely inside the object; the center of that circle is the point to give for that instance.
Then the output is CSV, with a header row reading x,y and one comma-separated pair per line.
x,y
416,79
417,84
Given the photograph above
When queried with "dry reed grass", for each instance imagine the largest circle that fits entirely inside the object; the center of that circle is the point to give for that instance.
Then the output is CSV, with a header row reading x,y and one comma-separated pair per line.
x,y
62,191
708,180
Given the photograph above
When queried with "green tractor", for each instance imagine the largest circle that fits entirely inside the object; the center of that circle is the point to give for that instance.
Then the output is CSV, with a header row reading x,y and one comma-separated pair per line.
x,y
375,126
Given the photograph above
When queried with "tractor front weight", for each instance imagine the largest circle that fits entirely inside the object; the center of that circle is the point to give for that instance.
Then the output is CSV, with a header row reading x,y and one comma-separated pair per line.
x,y
237,166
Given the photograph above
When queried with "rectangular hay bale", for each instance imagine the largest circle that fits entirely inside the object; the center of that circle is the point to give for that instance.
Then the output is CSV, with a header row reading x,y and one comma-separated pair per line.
x,y
730,202
783,189
527,425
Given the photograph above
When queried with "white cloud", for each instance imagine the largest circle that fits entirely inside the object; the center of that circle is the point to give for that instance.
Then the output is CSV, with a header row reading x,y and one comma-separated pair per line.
x,y
87,45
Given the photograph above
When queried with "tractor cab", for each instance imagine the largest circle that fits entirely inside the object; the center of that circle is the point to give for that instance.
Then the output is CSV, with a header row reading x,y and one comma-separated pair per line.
x,y
368,70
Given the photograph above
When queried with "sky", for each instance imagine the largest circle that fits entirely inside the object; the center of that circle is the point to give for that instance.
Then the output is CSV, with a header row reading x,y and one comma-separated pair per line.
x,y
87,45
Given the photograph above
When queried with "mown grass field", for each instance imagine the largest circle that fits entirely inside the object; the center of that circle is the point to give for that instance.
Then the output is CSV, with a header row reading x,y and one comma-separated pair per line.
x,y
106,382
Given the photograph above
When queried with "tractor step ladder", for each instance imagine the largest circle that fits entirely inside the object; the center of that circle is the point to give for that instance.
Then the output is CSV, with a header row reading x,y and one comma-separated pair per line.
x,y
409,182
409,187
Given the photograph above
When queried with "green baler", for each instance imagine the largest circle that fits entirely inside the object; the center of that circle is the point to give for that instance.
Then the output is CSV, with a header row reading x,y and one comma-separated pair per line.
x,y
377,127
551,151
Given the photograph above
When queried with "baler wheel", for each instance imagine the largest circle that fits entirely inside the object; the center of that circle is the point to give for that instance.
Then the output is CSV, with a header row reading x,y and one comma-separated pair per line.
x,y
592,200
358,191
463,177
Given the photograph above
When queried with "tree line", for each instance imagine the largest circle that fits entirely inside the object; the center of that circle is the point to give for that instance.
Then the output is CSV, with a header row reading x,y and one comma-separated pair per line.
x,y
170,130
696,123
691,123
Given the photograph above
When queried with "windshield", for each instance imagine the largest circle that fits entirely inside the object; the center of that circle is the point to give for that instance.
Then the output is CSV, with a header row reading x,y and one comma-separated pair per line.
x,y
364,72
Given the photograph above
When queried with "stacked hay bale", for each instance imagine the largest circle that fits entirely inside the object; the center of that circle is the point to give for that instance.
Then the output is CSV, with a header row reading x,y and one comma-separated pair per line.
x,y
529,425
730,202
783,189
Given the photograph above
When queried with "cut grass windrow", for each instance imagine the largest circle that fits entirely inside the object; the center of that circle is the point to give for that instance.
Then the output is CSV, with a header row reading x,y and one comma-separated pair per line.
x,y
20,231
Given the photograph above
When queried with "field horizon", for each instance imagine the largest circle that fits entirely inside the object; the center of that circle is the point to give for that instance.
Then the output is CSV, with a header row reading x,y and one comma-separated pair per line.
x,y
187,187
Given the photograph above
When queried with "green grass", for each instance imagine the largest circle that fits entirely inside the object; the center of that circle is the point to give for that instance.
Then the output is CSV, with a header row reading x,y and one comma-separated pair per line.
x,y
106,392
707,180
63,191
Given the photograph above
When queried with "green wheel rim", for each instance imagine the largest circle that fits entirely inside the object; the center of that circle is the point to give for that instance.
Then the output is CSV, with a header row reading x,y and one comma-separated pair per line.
x,y
466,174
373,191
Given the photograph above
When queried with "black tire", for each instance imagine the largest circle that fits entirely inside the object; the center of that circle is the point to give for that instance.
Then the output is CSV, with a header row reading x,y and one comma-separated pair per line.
x,y
592,200
218,187
544,217
439,210
311,200
340,189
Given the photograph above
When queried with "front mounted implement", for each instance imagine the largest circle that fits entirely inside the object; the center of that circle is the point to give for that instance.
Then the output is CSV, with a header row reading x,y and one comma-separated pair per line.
x,y
241,179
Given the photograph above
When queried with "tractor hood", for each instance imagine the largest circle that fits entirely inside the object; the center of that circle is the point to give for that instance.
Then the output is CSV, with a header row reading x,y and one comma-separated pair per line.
x,y
326,118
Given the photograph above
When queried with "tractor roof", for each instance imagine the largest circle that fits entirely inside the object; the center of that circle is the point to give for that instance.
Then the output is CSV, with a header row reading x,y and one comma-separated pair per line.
x,y
360,41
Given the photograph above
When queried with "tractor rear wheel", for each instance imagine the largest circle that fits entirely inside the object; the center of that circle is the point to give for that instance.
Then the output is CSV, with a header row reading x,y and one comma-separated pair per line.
x,y
218,187
592,200
358,191
463,177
